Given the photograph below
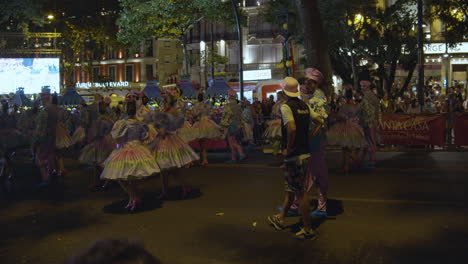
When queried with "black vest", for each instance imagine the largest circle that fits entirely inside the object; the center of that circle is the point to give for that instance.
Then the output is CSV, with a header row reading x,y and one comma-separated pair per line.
x,y
301,113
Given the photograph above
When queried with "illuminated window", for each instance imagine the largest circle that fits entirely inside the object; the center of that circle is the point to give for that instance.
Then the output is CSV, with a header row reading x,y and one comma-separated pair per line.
x,y
112,70
129,73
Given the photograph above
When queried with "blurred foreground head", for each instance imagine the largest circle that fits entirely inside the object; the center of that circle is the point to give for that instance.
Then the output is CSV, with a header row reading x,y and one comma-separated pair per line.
x,y
114,252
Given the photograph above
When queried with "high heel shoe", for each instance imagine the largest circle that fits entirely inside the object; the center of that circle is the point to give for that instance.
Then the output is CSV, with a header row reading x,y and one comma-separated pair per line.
x,y
135,204
129,204
203,163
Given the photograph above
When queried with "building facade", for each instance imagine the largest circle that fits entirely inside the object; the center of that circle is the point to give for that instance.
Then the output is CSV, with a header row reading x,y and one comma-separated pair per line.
x,y
164,60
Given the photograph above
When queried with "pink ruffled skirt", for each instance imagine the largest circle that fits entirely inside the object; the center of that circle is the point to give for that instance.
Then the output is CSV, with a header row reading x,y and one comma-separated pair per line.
x,y
97,151
131,162
171,151
347,134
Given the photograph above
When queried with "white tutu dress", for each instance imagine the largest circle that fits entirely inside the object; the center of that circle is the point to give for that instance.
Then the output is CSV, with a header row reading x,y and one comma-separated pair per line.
x,y
169,149
204,128
132,160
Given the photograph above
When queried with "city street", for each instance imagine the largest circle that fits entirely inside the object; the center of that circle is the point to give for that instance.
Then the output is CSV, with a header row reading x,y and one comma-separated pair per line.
x,y
412,209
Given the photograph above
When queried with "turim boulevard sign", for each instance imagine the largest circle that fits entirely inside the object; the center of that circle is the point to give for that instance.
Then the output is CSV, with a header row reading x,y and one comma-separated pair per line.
x,y
106,84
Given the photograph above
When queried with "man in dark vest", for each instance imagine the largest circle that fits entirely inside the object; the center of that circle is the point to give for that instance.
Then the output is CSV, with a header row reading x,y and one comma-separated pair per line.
x,y
296,118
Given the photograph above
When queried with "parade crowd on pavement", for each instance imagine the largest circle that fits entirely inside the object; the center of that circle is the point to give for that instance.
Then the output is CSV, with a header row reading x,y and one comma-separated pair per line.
x,y
134,140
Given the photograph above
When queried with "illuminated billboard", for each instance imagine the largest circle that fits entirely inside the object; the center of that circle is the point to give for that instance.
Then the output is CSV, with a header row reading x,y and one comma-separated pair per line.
x,y
30,73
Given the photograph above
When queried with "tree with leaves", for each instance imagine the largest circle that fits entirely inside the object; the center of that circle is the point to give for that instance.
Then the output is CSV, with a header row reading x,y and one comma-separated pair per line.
x,y
85,40
454,14
17,15
141,19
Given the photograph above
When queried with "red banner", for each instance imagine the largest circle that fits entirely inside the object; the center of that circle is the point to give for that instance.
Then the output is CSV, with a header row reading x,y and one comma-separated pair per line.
x,y
461,129
402,129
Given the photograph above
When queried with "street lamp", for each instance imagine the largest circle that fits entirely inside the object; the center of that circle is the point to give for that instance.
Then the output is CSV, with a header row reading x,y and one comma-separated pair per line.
x,y
241,57
420,54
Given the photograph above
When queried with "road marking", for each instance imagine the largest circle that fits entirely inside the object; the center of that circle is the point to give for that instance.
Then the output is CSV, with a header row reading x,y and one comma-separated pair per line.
x,y
257,166
413,202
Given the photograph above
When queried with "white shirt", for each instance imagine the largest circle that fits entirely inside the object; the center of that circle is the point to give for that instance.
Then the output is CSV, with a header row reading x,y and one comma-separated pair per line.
x,y
287,114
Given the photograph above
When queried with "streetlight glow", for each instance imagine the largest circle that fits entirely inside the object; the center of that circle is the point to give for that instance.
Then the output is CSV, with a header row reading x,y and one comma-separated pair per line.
x,y
50,17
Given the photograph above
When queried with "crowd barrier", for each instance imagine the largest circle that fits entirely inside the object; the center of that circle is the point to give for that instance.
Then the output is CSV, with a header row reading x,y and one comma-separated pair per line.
x,y
415,130
423,129
461,129
407,129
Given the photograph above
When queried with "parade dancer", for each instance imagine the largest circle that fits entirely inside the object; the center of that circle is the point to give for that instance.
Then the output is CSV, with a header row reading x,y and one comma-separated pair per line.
x,y
347,133
170,151
317,171
132,161
296,117
204,127
10,139
142,107
63,140
369,115
100,145
232,122
273,130
248,124
79,135
44,142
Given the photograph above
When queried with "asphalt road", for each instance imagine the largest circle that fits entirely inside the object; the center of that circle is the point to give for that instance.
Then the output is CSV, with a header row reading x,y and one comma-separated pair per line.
x,y
411,209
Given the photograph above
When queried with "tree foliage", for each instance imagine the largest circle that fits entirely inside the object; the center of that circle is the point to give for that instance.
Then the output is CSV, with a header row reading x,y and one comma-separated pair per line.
x,y
85,40
141,19
15,15
454,14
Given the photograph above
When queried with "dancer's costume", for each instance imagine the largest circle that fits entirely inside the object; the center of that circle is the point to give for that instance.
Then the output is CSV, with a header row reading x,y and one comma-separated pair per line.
x,y
317,171
79,135
369,114
101,142
27,123
63,138
347,132
169,149
45,137
10,137
132,160
248,125
204,128
273,130
142,112
186,132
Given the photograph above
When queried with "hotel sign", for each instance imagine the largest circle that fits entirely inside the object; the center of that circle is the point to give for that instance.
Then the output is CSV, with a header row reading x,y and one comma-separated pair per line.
x,y
106,84
441,48
257,75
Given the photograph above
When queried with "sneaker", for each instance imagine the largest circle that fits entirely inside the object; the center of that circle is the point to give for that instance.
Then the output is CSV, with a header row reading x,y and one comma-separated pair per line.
x,y
318,213
231,161
304,235
276,222
243,157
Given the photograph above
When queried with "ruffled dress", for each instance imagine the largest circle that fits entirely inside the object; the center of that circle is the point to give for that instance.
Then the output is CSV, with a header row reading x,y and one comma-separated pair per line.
x,y
63,139
10,137
347,133
273,130
185,131
169,149
204,128
132,160
79,135
101,142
